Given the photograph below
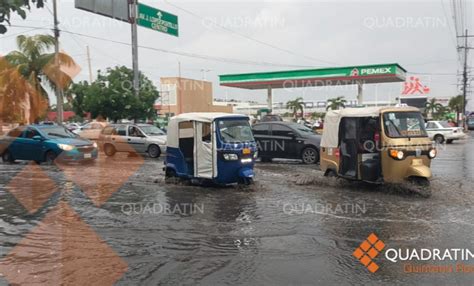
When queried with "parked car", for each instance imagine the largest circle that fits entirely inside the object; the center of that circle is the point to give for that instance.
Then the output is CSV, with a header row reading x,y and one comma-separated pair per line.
x,y
91,130
133,138
440,131
289,140
72,126
470,122
46,143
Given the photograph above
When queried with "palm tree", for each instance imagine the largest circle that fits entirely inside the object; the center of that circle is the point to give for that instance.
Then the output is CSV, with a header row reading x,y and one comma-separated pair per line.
x,y
296,105
336,103
456,104
432,107
36,65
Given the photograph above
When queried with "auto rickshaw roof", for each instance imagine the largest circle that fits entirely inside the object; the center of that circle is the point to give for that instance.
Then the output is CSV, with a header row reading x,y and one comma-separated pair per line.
x,y
333,119
205,117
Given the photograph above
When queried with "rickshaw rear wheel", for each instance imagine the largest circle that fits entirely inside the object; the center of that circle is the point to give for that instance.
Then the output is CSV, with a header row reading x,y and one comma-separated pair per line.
x,y
420,181
330,173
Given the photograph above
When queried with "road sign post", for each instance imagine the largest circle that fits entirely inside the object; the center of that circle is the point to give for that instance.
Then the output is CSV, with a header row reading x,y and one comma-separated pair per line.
x,y
157,20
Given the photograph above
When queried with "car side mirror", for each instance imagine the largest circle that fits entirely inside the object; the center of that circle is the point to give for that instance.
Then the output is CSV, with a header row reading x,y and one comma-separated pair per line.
x,y
37,138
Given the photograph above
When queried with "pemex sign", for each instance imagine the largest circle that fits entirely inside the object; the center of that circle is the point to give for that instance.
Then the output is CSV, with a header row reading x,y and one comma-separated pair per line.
x,y
157,20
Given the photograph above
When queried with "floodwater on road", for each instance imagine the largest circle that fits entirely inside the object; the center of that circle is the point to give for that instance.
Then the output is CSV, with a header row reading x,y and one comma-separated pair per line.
x,y
117,221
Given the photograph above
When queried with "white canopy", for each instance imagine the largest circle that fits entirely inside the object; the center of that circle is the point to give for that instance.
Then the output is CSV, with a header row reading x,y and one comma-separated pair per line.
x,y
205,117
333,118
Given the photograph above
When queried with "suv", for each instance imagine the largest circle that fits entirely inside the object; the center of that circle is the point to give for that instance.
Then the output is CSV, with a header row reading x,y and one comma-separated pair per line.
x,y
133,138
288,140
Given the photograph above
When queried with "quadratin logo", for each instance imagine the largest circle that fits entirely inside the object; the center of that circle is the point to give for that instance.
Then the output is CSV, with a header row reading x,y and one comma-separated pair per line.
x,y
368,250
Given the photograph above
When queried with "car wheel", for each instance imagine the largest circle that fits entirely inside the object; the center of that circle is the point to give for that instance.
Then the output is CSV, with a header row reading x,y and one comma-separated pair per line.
x,y
49,158
449,141
439,139
310,155
154,151
7,157
109,150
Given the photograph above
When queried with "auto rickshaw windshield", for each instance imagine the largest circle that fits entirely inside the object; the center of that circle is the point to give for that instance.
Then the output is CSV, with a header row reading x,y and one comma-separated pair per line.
x,y
235,131
404,124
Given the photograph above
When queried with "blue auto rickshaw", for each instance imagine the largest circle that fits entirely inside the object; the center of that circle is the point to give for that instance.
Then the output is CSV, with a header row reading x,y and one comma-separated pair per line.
x,y
211,147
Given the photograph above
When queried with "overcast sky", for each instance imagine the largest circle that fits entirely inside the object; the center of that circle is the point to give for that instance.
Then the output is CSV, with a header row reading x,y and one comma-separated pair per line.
x,y
418,35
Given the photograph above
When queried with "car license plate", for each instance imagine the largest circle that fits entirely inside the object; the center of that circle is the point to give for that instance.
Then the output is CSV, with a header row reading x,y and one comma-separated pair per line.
x,y
87,156
418,152
246,151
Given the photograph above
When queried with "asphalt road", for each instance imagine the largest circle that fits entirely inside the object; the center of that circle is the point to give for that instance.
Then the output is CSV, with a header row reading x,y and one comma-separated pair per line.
x,y
117,221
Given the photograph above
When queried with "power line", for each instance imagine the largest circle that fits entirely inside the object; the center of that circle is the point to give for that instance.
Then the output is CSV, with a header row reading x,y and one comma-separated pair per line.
x,y
246,36
191,55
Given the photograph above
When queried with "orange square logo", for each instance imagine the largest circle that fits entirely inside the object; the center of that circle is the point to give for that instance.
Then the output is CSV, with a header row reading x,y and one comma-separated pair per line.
x,y
368,250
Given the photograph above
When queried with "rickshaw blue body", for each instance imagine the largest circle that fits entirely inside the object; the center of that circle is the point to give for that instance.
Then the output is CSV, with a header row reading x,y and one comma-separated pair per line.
x,y
232,162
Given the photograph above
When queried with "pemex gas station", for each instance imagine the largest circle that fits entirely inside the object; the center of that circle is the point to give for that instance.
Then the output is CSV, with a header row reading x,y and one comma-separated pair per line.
x,y
334,76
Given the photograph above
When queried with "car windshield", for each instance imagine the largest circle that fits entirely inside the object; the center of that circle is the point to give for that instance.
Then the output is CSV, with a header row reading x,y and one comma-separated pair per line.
x,y
152,130
404,124
235,131
302,130
57,132
445,124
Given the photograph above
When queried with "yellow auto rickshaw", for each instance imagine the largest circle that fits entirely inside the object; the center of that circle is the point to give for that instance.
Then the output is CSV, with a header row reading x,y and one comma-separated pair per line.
x,y
377,144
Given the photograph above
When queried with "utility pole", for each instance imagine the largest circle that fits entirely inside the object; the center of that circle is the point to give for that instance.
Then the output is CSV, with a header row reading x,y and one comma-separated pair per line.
x,y
133,20
59,92
465,79
89,63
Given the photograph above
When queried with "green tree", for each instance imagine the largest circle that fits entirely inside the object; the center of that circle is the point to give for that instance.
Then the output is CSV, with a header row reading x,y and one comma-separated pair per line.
x,y
18,6
336,103
295,106
432,107
111,96
456,104
37,66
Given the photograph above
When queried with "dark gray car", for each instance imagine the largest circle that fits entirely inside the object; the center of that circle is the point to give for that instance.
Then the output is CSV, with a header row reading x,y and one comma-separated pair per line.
x,y
286,140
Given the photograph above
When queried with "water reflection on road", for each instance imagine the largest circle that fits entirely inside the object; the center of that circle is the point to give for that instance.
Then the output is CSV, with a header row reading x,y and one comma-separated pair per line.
x,y
277,232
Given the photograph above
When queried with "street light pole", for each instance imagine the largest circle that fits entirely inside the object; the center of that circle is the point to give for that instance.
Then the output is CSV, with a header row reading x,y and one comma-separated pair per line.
x,y
59,92
133,19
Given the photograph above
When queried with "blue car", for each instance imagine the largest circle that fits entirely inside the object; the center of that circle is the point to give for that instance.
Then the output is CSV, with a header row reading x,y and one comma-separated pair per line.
x,y
46,143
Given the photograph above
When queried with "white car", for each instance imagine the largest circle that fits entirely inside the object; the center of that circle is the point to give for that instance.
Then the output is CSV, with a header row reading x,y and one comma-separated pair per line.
x,y
441,131
91,130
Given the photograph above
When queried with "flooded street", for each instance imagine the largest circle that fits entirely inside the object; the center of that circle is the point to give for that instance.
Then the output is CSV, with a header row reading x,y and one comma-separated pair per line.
x,y
117,221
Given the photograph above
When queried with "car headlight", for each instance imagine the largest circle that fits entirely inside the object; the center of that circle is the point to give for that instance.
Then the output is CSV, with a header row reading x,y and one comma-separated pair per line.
x,y
231,157
397,154
66,147
94,145
255,155
432,154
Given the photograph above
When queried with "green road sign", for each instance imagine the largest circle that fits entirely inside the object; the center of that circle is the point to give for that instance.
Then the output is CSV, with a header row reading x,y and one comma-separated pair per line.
x,y
157,20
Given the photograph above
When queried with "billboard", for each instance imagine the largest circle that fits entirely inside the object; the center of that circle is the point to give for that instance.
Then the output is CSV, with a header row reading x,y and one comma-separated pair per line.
x,y
116,9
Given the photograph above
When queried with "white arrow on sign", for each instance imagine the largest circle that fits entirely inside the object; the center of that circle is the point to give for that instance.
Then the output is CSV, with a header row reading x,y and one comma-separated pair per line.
x,y
159,14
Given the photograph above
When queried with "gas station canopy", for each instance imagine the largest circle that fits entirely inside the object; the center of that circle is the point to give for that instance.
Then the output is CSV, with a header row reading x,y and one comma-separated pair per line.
x,y
381,73
359,75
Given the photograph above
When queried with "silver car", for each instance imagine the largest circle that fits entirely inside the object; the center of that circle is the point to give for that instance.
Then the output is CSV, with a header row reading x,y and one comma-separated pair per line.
x,y
132,138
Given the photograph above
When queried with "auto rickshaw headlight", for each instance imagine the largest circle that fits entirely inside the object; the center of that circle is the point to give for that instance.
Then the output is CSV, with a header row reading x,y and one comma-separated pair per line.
x,y
231,157
397,154
432,154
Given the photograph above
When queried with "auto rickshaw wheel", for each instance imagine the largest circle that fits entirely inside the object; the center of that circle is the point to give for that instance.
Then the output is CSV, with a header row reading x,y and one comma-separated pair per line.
x,y
246,181
330,173
170,173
